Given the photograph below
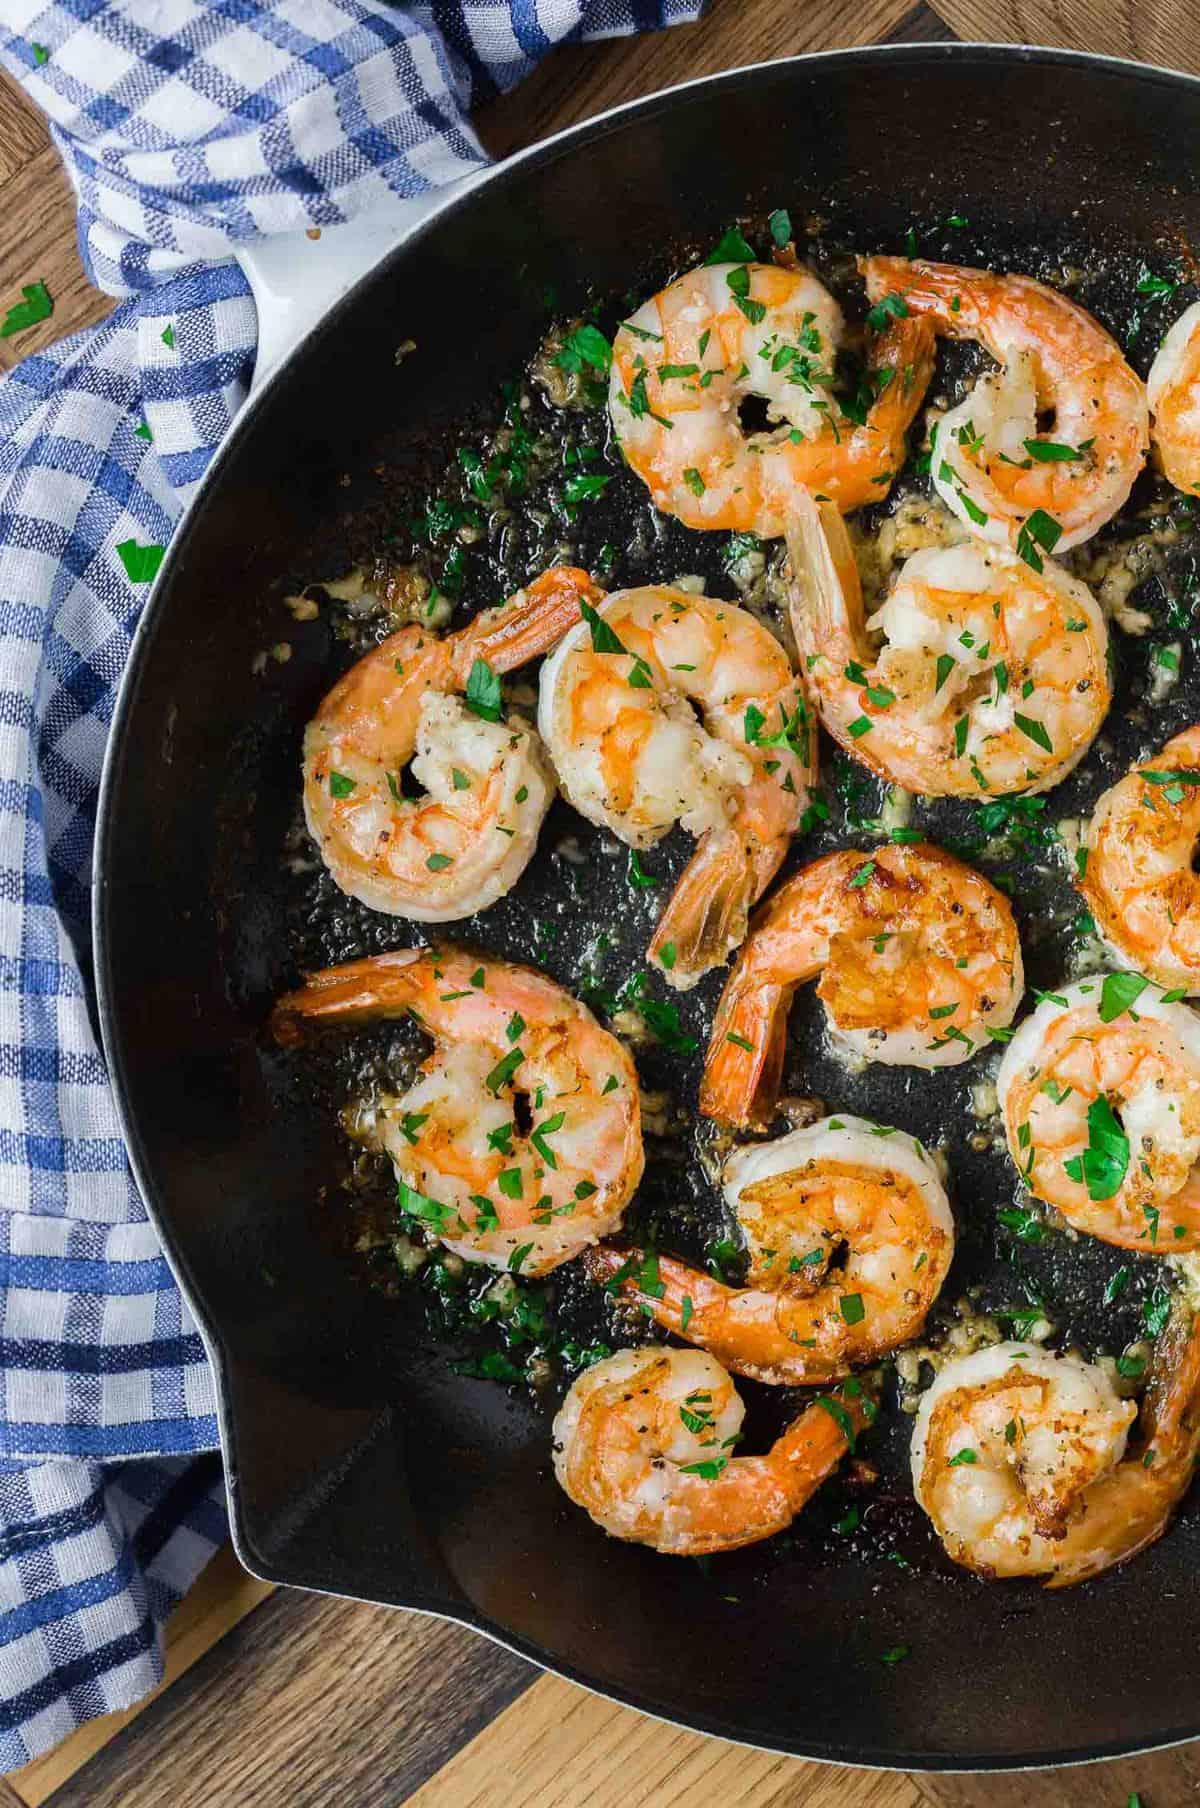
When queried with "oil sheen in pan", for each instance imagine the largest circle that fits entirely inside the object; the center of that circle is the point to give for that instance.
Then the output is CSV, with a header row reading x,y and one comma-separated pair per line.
x,y
534,478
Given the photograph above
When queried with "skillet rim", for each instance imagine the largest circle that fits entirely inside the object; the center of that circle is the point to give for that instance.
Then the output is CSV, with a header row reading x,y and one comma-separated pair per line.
x,y
1147,76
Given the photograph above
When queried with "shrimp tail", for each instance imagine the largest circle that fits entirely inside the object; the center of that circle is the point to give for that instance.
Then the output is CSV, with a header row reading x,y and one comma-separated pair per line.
x,y
679,1298
901,360
729,1322
744,1065
762,1495
707,915
1171,1409
828,1429
826,601
383,985
931,292
1165,1459
529,624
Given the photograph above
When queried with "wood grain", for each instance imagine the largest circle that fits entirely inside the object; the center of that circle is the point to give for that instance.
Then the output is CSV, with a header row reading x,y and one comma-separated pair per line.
x,y
559,1747
1163,1780
37,242
1151,31
310,1701
23,131
579,80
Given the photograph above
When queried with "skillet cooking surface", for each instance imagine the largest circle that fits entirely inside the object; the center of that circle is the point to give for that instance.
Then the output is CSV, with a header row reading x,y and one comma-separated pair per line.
x,y
359,1460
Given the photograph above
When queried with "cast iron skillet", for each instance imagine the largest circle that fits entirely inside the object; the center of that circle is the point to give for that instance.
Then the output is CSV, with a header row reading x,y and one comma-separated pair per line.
x,y
357,1461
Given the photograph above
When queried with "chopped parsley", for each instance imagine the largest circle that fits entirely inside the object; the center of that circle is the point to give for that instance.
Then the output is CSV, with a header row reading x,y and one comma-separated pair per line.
x,y
891,307
585,348
37,305
141,562
1039,530
731,248
1034,731
1119,993
581,488
483,692
1051,452
1022,1222
1105,1161
544,1130
739,287
603,638
420,1206
504,1070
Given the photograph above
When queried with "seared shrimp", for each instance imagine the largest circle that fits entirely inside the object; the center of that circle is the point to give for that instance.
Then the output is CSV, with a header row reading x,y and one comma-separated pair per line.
x,y
1138,880
1173,388
644,1440
1019,1458
839,1183
918,958
991,677
1100,1091
685,360
1007,479
485,784
616,713
488,1188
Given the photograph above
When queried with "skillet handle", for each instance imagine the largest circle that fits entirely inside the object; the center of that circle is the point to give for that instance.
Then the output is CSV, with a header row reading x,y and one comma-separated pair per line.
x,y
296,280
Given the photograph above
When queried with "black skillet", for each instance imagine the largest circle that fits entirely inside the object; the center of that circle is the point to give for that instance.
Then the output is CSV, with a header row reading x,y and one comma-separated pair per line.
x,y
358,1460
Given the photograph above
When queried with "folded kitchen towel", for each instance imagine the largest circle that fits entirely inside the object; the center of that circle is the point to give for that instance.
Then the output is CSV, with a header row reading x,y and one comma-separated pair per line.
x,y
187,126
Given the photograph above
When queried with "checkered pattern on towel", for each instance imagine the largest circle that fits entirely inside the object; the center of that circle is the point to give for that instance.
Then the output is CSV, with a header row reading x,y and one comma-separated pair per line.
x,y
186,126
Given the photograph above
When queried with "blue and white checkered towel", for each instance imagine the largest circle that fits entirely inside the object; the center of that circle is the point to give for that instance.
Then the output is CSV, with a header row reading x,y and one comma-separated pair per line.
x,y
186,125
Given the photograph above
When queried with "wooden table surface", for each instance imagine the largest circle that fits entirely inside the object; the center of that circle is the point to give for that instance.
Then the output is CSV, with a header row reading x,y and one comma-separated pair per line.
x,y
276,1699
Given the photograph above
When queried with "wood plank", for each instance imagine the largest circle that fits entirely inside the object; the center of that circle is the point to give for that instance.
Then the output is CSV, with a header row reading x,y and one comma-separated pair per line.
x,y
920,26
1161,1779
560,1747
23,131
579,80
223,1596
310,1700
1152,31
37,243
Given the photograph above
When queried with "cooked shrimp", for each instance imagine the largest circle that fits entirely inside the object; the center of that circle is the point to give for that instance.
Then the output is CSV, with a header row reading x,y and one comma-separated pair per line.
x,y
643,1443
918,957
1138,880
483,775
685,360
991,677
1006,477
1019,1458
1100,1092
494,1192
616,713
1173,388
842,1183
